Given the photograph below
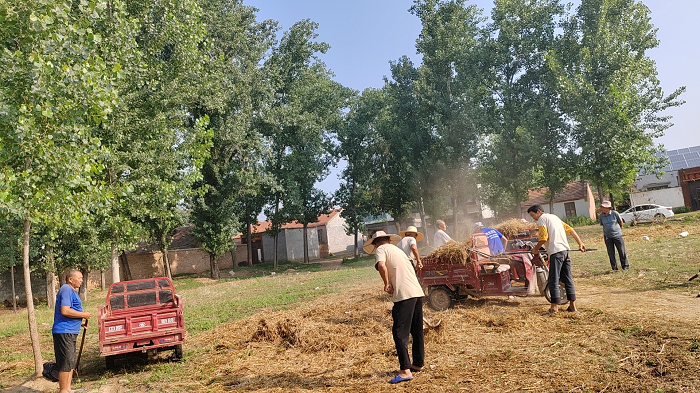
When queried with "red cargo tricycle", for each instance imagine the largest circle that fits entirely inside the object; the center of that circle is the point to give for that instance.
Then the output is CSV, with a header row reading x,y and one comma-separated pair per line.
x,y
141,316
516,273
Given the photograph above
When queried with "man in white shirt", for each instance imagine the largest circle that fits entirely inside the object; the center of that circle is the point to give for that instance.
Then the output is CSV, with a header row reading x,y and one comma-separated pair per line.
x,y
441,237
409,245
401,282
552,234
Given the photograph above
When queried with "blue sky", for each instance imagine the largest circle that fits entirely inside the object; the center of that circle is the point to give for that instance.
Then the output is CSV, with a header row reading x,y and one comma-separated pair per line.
x,y
365,35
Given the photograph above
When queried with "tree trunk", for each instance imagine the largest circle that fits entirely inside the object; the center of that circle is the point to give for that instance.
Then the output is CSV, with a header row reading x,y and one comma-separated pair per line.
x,y
397,225
457,231
306,244
14,293
356,252
125,265
233,256
274,258
551,205
612,201
33,331
600,193
423,222
249,244
50,278
102,280
82,291
166,262
115,263
214,264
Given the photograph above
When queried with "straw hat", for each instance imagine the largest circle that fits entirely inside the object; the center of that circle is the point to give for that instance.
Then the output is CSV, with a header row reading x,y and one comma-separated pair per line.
x,y
606,204
477,226
412,229
370,248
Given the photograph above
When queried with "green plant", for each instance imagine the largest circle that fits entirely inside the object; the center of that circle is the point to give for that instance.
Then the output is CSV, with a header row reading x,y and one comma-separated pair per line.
x,y
579,221
681,209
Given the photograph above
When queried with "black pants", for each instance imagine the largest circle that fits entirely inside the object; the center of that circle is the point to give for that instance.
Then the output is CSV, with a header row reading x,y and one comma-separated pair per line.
x,y
560,270
408,318
64,348
611,243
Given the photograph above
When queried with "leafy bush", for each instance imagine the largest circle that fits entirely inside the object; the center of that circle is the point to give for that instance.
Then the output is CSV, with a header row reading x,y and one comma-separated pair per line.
x,y
681,209
580,221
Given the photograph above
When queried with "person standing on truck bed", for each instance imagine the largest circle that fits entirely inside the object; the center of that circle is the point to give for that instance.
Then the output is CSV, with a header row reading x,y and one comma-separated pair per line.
x,y
497,242
409,245
401,282
441,237
552,234
67,320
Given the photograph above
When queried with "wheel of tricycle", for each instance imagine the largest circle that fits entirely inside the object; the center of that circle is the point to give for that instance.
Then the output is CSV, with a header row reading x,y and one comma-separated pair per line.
x,y
109,362
178,351
440,299
562,294
659,218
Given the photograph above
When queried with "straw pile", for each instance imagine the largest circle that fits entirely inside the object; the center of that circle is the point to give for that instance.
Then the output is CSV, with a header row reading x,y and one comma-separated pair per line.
x,y
514,226
451,252
343,343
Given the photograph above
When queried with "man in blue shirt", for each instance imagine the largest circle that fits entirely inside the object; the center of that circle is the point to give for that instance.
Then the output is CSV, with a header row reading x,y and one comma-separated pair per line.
x,y
67,320
497,242
612,234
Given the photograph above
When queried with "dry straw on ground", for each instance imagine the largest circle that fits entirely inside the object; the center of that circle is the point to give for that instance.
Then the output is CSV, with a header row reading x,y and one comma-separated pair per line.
x,y
343,344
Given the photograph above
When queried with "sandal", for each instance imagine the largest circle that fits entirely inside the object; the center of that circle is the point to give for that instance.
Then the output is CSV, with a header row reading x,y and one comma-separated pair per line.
x,y
548,313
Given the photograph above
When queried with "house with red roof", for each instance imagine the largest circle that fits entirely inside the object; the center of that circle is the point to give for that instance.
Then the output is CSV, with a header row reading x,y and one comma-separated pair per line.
x,y
324,237
576,199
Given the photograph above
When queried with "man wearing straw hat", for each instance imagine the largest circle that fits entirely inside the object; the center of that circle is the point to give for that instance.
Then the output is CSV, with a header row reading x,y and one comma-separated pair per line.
x,y
401,282
409,245
612,234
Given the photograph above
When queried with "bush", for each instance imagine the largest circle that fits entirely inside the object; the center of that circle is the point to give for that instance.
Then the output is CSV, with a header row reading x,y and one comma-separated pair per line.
x,y
580,221
681,210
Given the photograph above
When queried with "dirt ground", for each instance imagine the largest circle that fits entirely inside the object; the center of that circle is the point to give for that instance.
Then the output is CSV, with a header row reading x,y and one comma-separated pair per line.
x,y
621,341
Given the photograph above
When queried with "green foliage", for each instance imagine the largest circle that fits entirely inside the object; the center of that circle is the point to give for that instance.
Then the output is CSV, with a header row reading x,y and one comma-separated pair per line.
x,y
681,210
231,191
579,221
610,92
358,146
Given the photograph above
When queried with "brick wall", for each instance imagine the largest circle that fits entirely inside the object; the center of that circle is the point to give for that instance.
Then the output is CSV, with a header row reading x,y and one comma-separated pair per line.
x,y
146,265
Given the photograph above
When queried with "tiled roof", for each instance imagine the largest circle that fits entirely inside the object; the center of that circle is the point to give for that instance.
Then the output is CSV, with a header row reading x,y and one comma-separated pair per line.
x,y
572,192
323,219
184,239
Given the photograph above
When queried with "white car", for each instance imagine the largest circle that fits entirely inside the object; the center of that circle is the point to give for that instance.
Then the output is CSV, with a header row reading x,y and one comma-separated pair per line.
x,y
647,213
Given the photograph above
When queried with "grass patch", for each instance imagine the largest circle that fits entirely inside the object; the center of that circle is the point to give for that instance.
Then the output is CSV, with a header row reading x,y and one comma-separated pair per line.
x,y
226,301
664,262
366,261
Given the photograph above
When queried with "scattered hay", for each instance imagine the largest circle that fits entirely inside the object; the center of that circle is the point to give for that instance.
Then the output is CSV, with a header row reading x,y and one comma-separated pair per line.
x,y
452,252
343,343
514,226
285,332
